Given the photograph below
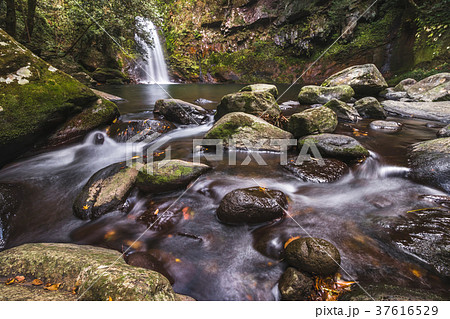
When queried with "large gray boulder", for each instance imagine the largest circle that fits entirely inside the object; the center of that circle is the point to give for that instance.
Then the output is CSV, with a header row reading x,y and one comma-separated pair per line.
x,y
436,111
248,129
364,79
369,107
430,162
258,103
313,121
92,273
431,89
343,110
312,94
181,112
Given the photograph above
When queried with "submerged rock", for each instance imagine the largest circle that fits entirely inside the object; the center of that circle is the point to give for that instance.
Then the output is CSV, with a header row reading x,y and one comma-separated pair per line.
x,y
315,171
431,89
270,88
313,121
312,94
388,293
337,146
181,112
244,128
444,132
168,175
430,162
295,286
343,110
256,103
387,126
35,98
252,206
105,191
139,130
436,111
147,261
313,255
80,267
364,79
369,107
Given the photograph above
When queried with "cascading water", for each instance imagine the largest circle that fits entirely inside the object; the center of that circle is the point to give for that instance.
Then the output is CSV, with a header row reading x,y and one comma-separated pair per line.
x,y
152,68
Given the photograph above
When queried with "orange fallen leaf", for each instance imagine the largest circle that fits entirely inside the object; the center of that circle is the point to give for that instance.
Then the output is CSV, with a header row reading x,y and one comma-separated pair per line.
x,y
19,279
85,207
186,214
37,282
110,299
177,260
10,281
110,235
51,287
290,240
156,212
133,244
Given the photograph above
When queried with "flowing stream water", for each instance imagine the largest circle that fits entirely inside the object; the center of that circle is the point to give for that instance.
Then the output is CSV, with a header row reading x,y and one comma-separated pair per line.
x,y
212,261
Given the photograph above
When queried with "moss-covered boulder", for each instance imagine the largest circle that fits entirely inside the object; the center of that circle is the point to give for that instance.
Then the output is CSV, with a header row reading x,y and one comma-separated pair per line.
x,y
430,162
338,146
110,76
259,103
369,107
389,293
93,273
252,206
431,89
435,111
343,110
295,285
35,98
364,79
313,255
312,94
246,131
105,191
139,130
168,175
313,121
181,112
270,88
101,114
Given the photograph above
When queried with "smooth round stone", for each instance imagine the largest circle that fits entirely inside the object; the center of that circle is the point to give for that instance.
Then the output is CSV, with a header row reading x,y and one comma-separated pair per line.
x,y
325,171
313,255
388,126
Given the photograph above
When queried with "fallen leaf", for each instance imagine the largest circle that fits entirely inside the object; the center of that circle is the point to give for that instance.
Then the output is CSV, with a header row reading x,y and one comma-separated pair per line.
x,y
133,244
177,260
85,207
19,279
51,287
156,212
10,281
110,299
37,282
290,240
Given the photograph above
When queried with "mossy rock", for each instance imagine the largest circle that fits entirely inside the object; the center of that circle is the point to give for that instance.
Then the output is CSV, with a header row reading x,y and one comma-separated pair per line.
x,y
257,103
137,131
181,112
435,111
110,76
270,88
343,110
95,273
295,285
313,121
34,97
343,147
369,107
431,89
313,94
242,127
168,175
389,293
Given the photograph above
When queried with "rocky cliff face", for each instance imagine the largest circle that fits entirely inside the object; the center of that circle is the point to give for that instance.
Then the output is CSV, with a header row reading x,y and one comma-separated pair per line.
x,y
277,41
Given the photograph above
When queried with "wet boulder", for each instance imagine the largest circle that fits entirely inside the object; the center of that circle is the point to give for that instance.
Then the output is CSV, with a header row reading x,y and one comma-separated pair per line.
x,y
403,85
80,267
338,146
364,79
343,110
259,103
436,111
313,121
246,130
431,89
168,175
430,162
139,130
105,191
10,196
388,293
313,255
386,126
369,107
270,88
444,132
295,285
317,171
252,206
147,261
181,112
35,98
312,94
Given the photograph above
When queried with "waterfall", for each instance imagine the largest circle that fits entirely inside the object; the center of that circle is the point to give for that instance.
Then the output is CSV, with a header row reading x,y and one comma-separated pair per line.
x,y
152,68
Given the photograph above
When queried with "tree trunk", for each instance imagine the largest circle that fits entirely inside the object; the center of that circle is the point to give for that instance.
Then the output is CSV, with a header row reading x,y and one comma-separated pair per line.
x,y
30,17
10,27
